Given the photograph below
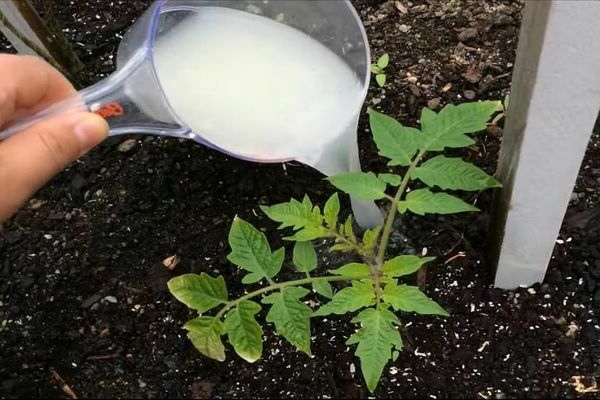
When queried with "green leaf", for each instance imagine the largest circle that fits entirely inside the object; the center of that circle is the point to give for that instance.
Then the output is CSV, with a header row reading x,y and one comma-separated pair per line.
x,y
364,185
370,237
352,269
250,250
375,69
394,141
390,179
305,257
383,61
205,333
449,127
323,288
404,265
453,173
349,299
294,214
290,316
349,230
344,247
199,292
307,234
376,339
380,78
424,201
410,299
245,334
331,211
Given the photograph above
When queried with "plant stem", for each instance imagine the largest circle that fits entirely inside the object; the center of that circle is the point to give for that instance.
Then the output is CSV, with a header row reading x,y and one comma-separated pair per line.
x,y
276,286
387,230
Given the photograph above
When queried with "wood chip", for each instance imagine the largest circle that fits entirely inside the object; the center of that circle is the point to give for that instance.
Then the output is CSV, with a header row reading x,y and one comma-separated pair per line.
x,y
414,89
400,7
127,145
591,386
63,385
171,262
36,204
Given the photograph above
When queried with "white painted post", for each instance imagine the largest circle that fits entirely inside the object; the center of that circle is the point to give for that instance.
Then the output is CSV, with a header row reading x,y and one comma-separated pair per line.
x,y
554,103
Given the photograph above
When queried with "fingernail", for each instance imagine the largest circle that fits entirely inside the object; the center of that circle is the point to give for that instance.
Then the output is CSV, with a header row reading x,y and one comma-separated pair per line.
x,y
90,131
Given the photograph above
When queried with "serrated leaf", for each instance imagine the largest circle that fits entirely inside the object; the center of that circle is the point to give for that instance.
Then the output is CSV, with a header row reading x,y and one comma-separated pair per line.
x,y
391,179
376,339
352,269
349,229
370,237
380,78
364,185
375,69
250,250
323,287
293,214
290,316
342,247
332,210
349,299
244,333
308,233
424,201
427,116
449,127
453,173
205,334
304,256
199,292
394,141
383,61
410,299
404,265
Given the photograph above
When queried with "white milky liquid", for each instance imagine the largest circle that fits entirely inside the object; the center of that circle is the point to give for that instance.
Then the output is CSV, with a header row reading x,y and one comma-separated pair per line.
x,y
259,89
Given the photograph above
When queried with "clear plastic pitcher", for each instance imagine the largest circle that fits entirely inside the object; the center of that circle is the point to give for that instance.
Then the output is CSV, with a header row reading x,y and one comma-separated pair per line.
x,y
133,99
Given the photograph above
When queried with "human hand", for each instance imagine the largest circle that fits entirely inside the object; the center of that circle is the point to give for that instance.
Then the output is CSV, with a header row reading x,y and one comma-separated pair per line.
x,y
32,157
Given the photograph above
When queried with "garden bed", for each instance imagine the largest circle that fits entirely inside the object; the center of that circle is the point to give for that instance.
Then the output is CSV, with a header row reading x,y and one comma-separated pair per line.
x,y
83,286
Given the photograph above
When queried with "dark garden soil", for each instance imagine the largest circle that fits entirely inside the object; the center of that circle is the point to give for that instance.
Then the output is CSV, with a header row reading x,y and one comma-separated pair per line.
x,y
83,288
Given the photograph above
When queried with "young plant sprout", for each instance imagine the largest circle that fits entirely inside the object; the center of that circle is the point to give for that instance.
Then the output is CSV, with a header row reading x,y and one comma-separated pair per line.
x,y
379,69
375,296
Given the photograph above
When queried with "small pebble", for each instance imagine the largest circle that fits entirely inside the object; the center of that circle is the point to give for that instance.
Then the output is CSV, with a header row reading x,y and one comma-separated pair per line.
x,y
433,103
469,94
404,28
111,299
127,145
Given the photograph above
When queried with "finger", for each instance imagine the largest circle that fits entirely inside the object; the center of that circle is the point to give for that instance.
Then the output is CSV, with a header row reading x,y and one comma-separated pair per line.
x,y
29,83
31,158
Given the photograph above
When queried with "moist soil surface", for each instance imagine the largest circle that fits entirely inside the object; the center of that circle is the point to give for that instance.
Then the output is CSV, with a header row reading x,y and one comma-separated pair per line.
x,y
83,289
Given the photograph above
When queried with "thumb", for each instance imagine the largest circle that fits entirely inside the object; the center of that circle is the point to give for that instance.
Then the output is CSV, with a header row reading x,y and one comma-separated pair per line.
x,y
30,158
